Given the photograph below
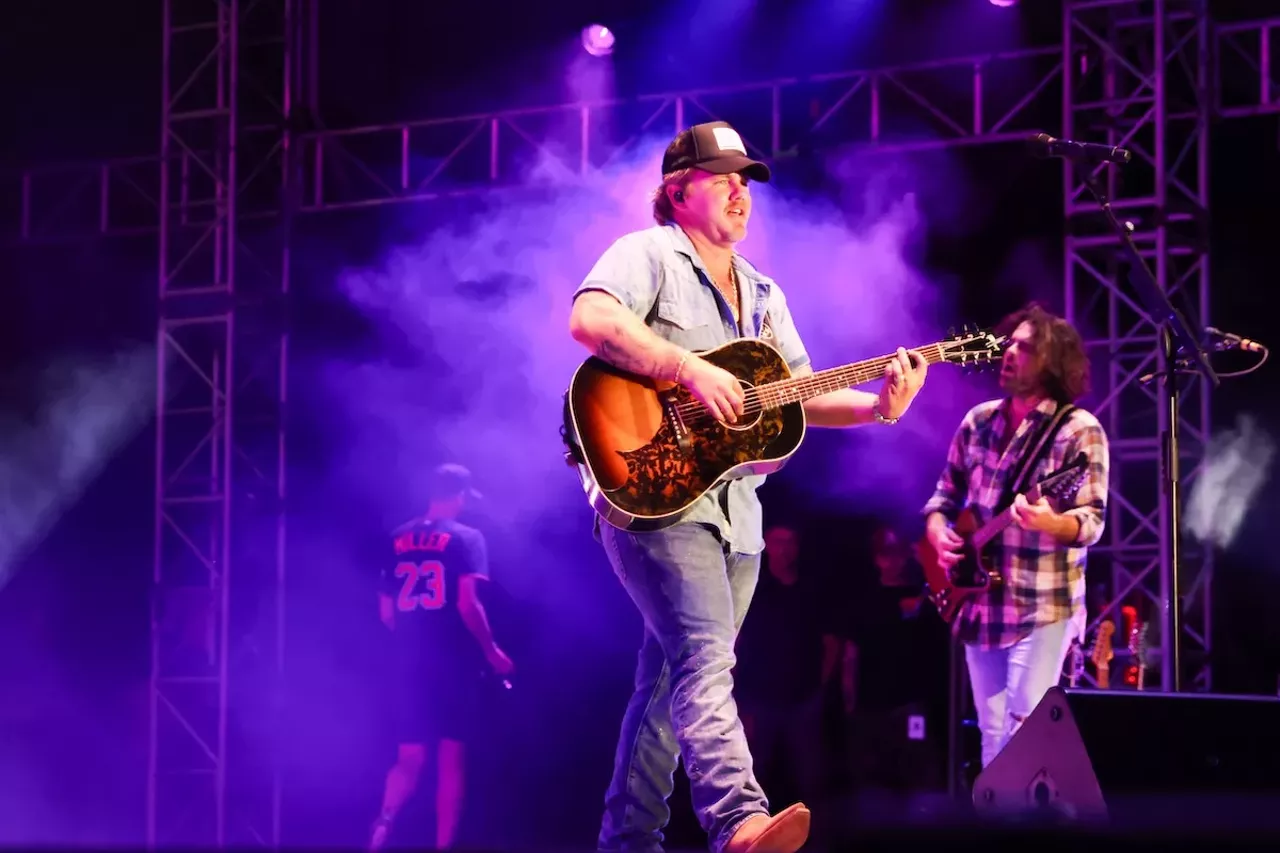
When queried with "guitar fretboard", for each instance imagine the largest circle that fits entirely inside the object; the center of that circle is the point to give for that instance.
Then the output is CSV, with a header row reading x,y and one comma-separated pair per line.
x,y
801,388
992,528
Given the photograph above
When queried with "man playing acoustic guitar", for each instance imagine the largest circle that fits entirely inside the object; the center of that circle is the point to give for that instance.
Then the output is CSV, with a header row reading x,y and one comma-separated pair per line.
x,y
1017,632
654,298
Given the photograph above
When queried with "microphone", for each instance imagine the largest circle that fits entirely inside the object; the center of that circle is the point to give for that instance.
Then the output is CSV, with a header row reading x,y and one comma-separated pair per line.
x,y
1227,341
1045,145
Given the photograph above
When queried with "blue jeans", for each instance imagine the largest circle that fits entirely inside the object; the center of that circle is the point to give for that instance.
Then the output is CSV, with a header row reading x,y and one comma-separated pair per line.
x,y
1009,683
693,597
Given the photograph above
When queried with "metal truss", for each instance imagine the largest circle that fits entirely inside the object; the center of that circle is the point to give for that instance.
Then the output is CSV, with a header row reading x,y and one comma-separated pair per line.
x,y
899,108
908,107
1141,78
222,350
1245,55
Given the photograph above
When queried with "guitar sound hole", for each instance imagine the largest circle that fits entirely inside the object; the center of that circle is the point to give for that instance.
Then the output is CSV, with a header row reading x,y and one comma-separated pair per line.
x,y
754,416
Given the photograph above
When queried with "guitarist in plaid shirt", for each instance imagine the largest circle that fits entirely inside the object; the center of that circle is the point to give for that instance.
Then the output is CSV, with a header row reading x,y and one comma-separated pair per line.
x,y
1017,634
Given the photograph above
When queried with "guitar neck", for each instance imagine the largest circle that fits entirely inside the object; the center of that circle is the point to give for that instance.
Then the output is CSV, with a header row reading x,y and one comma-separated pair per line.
x,y
801,388
993,528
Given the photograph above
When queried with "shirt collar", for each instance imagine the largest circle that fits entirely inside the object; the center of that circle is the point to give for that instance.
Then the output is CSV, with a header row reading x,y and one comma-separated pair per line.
x,y
1045,408
683,245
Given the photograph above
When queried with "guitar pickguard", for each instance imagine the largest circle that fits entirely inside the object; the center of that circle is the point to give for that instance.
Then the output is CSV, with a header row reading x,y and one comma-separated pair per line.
x,y
972,572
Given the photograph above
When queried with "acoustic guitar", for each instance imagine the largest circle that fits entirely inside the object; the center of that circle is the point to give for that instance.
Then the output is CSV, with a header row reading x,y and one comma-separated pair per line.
x,y
974,573
647,450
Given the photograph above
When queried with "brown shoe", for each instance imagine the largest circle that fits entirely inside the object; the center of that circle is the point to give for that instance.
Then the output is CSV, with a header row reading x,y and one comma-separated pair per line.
x,y
785,832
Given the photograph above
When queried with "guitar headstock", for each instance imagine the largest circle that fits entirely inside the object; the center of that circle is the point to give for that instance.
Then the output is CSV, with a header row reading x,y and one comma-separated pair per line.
x,y
1067,480
971,347
1138,643
1102,651
1136,673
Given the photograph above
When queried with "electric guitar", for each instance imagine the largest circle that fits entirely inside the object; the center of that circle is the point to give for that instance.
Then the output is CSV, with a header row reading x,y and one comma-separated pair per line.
x,y
1075,662
646,450
1103,653
1136,675
973,574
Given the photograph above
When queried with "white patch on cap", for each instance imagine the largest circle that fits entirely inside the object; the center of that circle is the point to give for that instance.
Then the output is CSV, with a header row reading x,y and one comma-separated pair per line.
x,y
728,140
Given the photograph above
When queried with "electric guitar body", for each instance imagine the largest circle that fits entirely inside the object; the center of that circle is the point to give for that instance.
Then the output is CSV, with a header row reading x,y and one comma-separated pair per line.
x,y
972,575
975,573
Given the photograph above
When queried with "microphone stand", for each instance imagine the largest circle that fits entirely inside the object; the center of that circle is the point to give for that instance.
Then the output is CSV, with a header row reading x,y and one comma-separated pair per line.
x,y
1174,335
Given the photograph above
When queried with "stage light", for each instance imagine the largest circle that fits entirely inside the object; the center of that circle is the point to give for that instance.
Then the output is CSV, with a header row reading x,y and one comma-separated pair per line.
x,y
597,40
1004,4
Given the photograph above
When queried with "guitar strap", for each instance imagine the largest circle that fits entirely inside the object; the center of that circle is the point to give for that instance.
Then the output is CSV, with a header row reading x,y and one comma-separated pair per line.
x,y
573,451
1039,448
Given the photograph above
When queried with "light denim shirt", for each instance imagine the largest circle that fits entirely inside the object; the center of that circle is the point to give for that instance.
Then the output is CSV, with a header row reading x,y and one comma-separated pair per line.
x,y
658,275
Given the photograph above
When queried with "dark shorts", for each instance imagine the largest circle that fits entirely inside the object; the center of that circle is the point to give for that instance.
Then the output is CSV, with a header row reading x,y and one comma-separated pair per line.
x,y
436,703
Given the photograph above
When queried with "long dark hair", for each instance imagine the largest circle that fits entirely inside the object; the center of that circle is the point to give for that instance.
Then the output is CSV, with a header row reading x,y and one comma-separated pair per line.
x,y
1059,349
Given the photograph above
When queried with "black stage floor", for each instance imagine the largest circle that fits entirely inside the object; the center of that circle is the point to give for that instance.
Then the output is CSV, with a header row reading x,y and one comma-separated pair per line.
x,y
1194,821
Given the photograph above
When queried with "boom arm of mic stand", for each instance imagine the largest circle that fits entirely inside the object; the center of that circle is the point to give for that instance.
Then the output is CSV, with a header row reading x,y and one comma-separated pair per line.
x,y
1175,335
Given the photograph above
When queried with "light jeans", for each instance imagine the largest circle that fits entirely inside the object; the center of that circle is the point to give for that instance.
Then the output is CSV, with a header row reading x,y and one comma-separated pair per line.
x,y
693,595
1008,683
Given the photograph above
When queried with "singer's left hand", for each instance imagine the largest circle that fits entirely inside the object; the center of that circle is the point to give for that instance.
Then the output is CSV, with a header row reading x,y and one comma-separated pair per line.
x,y
903,379
1033,516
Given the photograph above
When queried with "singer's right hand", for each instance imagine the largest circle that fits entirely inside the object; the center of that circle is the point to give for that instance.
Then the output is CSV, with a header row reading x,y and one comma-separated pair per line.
x,y
714,387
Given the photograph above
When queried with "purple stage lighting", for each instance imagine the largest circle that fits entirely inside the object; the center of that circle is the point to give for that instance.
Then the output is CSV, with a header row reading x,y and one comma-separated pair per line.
x,y
1004,4
597,39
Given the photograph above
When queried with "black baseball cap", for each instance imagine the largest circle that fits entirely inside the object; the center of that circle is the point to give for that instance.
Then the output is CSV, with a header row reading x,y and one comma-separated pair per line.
x,y
713,147
449,479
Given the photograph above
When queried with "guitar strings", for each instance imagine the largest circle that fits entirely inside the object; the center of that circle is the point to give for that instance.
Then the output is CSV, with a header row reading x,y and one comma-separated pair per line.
x,y
757,399
775,394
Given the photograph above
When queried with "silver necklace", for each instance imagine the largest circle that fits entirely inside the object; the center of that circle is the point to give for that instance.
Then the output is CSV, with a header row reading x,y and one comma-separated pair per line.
x,y
732,294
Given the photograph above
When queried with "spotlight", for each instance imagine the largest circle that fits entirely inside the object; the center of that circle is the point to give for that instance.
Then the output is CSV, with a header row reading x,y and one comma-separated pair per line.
x,y
597,39
1004,4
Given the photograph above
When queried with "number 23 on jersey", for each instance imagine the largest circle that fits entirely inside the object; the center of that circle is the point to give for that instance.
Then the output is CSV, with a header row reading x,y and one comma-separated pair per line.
x,y
423,585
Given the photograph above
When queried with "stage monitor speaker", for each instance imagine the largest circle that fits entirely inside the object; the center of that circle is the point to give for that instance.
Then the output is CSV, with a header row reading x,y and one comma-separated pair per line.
x,y
1123,756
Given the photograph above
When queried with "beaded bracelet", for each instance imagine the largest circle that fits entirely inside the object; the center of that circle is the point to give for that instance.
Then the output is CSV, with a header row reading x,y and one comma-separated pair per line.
x,y
679,367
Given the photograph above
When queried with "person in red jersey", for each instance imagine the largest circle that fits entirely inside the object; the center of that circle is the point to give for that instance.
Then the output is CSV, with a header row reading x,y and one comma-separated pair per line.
x,y
429,599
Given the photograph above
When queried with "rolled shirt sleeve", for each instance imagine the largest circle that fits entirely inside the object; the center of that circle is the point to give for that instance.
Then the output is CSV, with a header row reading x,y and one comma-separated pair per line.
x,y
630,271
1090,504
949,493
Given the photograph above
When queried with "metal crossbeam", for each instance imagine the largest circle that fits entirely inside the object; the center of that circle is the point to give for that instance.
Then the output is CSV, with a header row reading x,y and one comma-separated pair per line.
x,y
435,158
220,485
970,100
1141,79
1247,72
900,108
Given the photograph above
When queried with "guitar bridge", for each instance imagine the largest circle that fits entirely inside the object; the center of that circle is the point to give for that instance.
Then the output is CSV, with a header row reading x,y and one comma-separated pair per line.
x,y
671,411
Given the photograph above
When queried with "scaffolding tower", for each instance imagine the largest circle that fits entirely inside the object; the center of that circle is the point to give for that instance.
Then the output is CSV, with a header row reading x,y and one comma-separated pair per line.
x,y
230,74
1140,78
236,168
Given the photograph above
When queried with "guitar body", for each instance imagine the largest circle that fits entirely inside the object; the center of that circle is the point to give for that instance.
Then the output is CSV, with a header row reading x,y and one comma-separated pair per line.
x,y
973,575
650,450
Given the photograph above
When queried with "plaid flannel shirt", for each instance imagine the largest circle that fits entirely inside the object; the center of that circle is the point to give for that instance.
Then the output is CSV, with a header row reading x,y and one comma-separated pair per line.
x,y
1043,579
